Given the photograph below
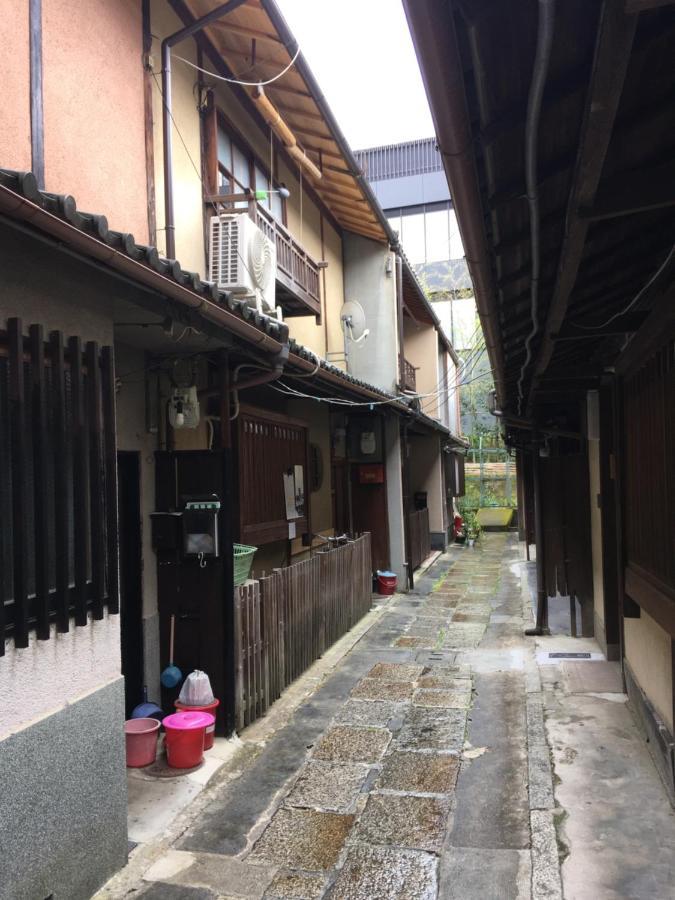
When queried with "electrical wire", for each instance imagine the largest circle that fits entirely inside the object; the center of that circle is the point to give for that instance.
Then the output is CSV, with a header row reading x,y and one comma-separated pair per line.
x,y
635,299
238,80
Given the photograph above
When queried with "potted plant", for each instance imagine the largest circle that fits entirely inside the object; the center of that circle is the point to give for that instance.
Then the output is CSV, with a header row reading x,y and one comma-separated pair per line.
x,y
472,527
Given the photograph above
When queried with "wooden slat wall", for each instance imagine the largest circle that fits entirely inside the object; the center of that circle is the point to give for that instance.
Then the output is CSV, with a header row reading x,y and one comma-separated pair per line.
x,y
289,619
57,440
420,537
649,485
268,447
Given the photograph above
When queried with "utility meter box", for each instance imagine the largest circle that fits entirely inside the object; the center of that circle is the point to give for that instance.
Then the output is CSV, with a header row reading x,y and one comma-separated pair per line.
x,y
200,527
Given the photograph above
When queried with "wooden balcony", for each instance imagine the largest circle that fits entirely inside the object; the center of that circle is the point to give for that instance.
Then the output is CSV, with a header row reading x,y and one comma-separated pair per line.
x,y
408,380
297,273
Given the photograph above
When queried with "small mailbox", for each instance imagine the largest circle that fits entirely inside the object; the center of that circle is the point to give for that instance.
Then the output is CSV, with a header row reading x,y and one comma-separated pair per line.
x,y
200,527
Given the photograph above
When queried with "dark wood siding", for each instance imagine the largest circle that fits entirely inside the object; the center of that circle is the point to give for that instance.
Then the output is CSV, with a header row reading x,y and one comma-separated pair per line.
x,y
58,544
269,445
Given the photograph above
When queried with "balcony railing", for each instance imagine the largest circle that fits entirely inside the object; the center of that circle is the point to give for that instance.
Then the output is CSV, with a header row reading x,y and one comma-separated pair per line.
x,y
297,272
408,380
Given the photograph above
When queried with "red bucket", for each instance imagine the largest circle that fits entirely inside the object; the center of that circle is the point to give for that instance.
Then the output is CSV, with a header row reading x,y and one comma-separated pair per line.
x,y
386,583
185,733
207,708
141,741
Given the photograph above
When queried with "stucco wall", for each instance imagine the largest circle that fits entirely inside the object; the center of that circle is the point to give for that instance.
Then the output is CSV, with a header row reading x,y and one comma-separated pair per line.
x,y
374,360
15,81
426,474
48,675
394,462
303,215
647,649
93,108
420,348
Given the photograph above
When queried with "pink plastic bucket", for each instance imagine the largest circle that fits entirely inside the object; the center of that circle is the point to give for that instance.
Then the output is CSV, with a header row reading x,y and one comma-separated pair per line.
x,y
185,733
207,708
141,740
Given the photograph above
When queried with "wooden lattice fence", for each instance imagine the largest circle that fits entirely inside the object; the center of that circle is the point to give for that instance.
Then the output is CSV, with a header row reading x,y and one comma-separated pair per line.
x,y
288,620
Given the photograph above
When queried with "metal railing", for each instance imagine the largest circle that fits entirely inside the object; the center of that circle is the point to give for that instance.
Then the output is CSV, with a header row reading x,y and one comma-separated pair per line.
x,y
295,267
408,379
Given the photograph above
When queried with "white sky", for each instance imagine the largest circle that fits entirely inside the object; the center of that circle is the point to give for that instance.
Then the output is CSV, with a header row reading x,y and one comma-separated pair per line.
x,y
362,56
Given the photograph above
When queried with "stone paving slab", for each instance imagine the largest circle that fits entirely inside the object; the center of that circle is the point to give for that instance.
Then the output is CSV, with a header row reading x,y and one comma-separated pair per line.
x,y
395,672
442,699
303,839
432,729
328,786
416,823
376,873
426,773
366,713
347,743
374,689
289,885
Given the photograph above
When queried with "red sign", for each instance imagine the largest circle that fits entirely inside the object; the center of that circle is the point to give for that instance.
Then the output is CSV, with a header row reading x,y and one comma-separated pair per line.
x,y
371,474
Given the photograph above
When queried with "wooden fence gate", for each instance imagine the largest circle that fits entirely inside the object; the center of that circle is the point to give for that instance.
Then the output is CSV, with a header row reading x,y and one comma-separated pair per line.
x,y
420,537
288,620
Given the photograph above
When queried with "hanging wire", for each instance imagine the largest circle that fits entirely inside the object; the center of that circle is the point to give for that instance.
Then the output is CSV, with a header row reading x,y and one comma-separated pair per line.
x,y
238,80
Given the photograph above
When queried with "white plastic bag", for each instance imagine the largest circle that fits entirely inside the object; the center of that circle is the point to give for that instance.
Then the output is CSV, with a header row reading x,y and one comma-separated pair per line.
x,y
196,690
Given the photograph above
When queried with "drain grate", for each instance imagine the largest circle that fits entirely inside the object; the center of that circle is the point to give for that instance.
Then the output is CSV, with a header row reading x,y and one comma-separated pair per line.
x,y
569,656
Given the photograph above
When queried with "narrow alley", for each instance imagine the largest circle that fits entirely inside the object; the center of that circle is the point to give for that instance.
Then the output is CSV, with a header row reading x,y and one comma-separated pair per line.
x,y
420,767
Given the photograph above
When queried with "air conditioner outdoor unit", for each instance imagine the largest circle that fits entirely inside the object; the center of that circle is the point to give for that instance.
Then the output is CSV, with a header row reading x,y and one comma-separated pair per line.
x,y
243,260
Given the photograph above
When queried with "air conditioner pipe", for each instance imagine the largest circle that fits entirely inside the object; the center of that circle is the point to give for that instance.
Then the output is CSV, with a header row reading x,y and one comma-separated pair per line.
x,y
277,370
167,115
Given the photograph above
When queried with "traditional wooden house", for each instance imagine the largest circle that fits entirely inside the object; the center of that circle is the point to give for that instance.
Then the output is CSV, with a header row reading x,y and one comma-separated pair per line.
x,y
138,392
555,123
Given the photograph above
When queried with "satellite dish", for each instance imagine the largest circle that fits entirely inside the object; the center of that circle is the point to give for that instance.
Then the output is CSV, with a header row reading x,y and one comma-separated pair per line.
x,y
353,321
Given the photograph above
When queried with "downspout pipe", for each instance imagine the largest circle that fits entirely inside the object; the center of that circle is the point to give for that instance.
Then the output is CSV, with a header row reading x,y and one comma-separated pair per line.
x,y
539,72
167,111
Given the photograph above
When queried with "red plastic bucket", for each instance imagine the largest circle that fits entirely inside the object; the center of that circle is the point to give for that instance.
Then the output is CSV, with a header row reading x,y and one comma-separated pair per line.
x,y
185,732
208,708
386,583
141,739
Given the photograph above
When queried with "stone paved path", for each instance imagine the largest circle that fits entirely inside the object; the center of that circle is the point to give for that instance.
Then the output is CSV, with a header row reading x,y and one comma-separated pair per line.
x,y
418,769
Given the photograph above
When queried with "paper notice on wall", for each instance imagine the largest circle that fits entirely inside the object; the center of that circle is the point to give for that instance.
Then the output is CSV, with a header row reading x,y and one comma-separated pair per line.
x,y
289,494
299,491
291,531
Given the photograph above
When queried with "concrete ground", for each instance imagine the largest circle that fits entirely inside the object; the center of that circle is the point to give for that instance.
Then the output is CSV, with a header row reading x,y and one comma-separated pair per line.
x,y
415,761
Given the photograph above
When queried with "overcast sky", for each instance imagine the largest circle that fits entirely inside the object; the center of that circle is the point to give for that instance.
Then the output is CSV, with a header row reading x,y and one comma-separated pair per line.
x,y
363,58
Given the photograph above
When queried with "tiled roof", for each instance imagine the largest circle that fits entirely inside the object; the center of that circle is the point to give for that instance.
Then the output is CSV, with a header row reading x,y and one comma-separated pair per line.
x,y
64,207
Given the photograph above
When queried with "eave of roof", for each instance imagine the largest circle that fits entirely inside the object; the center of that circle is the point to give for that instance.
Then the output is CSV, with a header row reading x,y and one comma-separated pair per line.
x,y
88,234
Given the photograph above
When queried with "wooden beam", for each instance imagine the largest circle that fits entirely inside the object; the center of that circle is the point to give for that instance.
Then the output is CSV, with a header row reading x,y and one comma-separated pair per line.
x,y
61,530
40,479
81,522
110,462
245,31
20,496
638,6
659,323
634,192
610,64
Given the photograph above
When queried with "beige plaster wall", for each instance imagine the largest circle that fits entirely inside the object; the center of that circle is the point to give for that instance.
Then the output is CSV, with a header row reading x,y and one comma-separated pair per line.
x,y
420,343
426,474
303,215
187,185
596,529
15,81
93,108
648,652
316,416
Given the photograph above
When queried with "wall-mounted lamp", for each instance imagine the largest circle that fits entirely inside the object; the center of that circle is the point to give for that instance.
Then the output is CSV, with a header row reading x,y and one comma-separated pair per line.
x,y
389,267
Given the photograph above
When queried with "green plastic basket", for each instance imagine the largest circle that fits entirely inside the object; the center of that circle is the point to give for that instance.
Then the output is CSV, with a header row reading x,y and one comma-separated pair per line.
x,y
243,560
